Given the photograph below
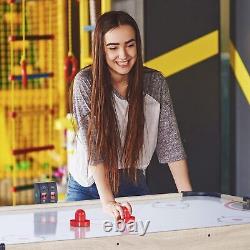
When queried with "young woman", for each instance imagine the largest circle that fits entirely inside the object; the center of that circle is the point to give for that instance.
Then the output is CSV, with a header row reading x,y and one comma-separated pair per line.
x,y
124,113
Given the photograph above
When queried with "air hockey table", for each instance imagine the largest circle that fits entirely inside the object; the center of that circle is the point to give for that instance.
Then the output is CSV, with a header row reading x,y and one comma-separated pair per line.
x,y
186,220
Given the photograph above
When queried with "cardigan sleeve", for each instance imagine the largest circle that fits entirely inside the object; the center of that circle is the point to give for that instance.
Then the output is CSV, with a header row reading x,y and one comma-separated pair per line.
x,y
169,146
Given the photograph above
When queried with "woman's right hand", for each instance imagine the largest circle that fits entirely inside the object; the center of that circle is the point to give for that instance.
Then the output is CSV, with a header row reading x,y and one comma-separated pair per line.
x,y
115,209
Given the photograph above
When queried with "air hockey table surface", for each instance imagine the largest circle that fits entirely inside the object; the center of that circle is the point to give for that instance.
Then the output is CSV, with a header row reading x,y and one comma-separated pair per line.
x,y
171,221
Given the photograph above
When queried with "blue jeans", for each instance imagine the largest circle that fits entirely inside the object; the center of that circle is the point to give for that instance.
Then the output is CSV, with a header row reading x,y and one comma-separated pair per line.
x,y
76,192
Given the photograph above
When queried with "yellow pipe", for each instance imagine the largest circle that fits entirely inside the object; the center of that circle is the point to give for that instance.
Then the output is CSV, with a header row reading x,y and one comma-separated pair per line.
x,y
13,127
50,88
84,35
61,52
105,6
5,154
240,71
62,89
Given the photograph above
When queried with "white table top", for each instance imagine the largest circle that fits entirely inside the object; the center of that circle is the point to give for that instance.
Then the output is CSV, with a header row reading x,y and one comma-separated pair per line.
x,y
48,223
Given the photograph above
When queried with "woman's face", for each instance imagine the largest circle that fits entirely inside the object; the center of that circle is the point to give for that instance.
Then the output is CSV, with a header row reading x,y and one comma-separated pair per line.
x,y
120,50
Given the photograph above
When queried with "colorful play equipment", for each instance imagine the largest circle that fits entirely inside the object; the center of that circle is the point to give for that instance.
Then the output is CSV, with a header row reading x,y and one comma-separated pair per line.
x,y
32,95
36,68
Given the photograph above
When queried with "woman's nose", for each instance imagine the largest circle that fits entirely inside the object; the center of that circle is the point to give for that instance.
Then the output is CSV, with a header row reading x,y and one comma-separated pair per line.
x,y
122,53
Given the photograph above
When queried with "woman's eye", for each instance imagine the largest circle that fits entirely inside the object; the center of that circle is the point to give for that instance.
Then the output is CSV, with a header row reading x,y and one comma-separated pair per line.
x,y
131,45
112,48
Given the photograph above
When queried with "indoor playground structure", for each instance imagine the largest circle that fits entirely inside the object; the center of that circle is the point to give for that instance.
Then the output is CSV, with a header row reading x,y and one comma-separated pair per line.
x,y
37,66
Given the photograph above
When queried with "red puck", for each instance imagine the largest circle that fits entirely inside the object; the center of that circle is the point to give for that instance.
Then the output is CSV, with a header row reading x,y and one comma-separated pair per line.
x,y
80,219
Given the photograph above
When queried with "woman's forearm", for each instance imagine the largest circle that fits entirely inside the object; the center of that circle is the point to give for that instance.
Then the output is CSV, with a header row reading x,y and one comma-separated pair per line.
x,y
179,170
106,196
102,183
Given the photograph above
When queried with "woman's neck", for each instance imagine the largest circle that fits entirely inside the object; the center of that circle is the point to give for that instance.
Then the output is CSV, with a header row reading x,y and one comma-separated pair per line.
x,y
120,84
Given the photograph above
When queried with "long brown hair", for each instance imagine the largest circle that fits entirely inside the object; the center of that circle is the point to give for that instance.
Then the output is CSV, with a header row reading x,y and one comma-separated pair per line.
x,y
103,129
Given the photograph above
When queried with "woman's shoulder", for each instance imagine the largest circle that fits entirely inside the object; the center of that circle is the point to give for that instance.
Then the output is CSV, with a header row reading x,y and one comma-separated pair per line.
x,y
152,74
84,74
153,82
83,81
153,79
